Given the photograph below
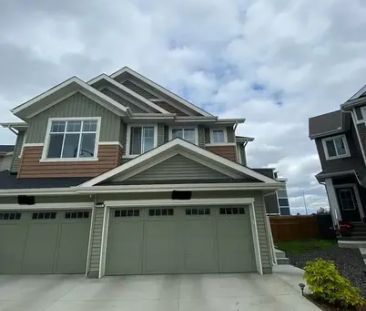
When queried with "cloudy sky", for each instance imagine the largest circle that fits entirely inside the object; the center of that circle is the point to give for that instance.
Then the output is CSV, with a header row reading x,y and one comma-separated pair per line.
x,y
276,63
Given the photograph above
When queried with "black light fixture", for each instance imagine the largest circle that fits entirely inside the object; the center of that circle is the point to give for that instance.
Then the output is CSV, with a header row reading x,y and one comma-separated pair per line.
x,y
99,204
181,195
302,287
26,200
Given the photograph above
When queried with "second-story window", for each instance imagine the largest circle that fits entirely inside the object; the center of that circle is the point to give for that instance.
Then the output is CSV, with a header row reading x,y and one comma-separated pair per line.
x,y
142,139
70,139
218,136
336,147
188,134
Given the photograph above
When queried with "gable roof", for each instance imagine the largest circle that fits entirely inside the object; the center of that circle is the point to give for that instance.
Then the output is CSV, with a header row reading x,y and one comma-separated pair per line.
x,y
62,91
161,89
124,89
328,124
178,146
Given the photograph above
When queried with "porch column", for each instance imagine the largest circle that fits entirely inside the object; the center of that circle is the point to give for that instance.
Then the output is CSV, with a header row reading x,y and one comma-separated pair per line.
x,y
333,202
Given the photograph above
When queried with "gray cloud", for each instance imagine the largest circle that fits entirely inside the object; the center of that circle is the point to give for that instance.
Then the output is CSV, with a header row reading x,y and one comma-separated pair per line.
x,y
308,58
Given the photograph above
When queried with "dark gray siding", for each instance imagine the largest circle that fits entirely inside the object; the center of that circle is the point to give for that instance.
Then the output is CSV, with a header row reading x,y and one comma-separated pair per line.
x,y
271,204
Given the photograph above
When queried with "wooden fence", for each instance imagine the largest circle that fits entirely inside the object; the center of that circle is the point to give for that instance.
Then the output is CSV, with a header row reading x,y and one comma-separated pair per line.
x,y
287,228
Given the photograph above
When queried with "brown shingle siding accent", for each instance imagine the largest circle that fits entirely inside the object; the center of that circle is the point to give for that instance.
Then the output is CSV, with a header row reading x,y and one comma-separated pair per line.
x,y
228,152
109,156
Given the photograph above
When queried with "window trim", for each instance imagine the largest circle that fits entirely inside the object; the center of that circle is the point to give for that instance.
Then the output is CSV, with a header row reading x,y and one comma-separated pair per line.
x,y
344,139
128,138
77,159
182,127
224,129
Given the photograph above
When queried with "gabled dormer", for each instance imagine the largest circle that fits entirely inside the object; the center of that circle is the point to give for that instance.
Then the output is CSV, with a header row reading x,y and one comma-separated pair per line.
x,y
79,129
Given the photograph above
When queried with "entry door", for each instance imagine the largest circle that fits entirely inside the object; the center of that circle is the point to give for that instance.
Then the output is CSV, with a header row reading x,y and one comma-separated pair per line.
x,y
348,204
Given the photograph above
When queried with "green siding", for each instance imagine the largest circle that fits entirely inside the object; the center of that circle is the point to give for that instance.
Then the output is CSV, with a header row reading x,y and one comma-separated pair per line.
x,y
76,105
230,135
207,135
17,150
122,101
161,134
201,136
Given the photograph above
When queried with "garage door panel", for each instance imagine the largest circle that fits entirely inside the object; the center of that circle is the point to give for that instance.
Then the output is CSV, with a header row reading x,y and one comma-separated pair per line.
x,y
124,248
40,248
235,245
200,246
12,247
163,247
73,248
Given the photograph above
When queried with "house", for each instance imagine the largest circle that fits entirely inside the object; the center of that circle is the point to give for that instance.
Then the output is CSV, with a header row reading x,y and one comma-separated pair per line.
x,y
340,140
118,175
6,157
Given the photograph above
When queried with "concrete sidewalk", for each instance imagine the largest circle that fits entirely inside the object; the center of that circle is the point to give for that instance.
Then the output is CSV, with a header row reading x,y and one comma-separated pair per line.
x,y
202,292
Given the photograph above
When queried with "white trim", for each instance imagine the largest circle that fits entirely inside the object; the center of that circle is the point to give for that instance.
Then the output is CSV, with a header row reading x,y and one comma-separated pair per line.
x,y
104,241
357,197
127,90
80,159
91,229
332,138
128,138
255,235
354,119
221,144
33,144
47,206
148,188
160,88
333,201
110,143
170,202
224,129
183,128
104,100
179,145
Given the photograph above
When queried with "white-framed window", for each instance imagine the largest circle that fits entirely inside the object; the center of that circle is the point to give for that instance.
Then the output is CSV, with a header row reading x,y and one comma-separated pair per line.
x,y
359,112
141,138
72,139
336,147
187,133
218,135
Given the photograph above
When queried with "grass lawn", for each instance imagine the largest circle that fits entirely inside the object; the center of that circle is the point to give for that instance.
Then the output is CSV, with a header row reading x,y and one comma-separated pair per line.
x,y
303,246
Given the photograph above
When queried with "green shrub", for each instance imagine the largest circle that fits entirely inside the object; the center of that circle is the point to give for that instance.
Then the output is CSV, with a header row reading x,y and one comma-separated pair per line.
x,y
328,285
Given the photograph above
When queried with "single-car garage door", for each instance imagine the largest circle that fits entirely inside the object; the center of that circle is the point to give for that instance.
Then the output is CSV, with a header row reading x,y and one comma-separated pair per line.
x,y
44,241
179,240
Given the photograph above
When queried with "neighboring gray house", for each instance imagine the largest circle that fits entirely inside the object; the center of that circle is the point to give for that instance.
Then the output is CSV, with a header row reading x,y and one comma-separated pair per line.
x,y
340,138
6,157
118,175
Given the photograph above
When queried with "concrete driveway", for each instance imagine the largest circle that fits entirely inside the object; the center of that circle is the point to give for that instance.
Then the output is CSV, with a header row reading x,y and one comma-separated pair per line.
x,y
236,292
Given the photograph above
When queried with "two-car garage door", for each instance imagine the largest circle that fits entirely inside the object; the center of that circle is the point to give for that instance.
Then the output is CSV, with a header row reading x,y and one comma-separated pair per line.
x,y
44,241
179,240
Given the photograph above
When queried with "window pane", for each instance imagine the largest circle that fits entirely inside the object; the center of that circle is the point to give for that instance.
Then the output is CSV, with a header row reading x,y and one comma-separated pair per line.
x,y
135,146
189,135
283,202
73,126
90,126
148,139
331,148
58,126
177,133
218,136
87,145
359,113
341,149
71,146
55,145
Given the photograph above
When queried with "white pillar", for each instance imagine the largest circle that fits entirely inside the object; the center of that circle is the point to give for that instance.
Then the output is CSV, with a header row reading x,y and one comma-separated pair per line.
x,y
333,202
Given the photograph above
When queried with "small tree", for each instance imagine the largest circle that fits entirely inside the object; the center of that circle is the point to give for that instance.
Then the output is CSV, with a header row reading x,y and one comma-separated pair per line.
x,y
328,285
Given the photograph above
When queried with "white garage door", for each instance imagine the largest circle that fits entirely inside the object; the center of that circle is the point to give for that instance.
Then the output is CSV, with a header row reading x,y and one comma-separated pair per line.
x,y
179,240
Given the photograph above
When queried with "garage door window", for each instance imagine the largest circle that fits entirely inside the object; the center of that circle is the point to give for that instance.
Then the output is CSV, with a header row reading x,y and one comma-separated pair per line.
x,y
10,216
161,212
127,213
232,211
75,215
197,211
44,215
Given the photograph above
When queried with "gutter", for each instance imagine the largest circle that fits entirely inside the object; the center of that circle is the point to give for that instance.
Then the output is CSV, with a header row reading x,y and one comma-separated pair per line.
x,y
78,190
